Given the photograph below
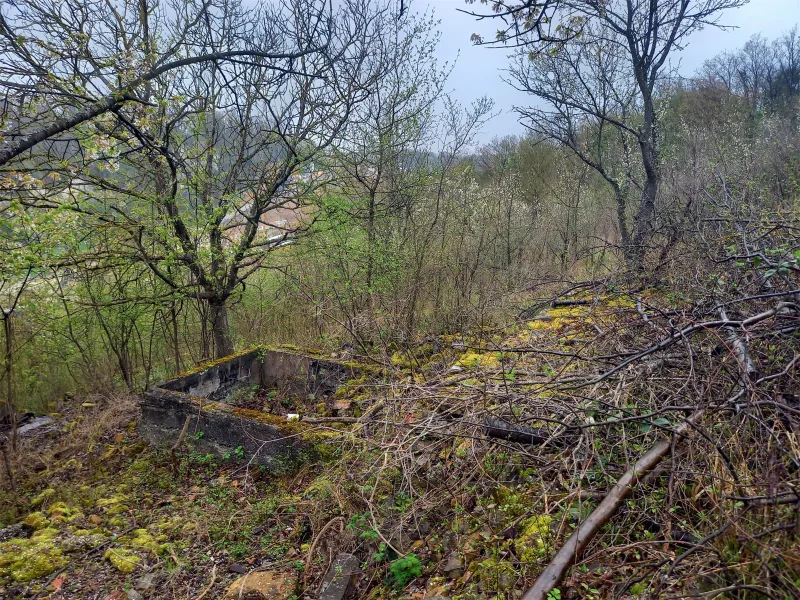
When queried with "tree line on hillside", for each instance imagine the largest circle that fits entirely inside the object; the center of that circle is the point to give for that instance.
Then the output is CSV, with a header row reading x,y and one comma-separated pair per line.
x,y
136,226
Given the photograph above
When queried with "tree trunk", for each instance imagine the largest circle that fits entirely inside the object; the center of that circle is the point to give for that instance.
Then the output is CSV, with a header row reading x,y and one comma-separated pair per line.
x,y
370,242
205,338
622,223
175,338
223,345
651,159
644,217
12,413
125,367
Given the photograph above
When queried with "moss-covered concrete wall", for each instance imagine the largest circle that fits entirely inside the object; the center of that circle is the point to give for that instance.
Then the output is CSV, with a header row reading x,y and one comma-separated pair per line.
x,y
216,427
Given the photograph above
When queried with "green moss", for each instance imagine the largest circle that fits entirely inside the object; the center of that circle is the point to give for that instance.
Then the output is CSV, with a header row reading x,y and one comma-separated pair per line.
x,y
320,489
199,368
24,560
142,539
114,505
496,574
413,357
117,521
174,523
401,359
534,542
470,360
43,497
292,348
60,512
638,588
123,560
37,520
49,533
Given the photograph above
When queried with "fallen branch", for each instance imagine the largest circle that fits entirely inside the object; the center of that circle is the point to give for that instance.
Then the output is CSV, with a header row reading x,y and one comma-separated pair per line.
x,y
686,331
515,432
558,303
748,368
492,427
555,571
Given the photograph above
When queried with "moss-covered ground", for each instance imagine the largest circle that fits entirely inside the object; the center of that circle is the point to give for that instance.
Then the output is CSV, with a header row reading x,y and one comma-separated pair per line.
x,y
415,488
115,511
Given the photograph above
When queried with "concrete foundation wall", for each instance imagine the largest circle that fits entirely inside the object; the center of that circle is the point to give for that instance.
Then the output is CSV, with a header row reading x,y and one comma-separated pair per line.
x,y
200,394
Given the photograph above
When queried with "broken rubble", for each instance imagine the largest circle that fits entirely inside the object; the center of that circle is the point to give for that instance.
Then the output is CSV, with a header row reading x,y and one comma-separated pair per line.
x,y
454,568
339,577
21,530
263,585
147,581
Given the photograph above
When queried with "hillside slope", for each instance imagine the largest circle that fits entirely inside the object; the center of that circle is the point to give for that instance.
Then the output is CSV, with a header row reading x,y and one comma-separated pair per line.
x,y
459,474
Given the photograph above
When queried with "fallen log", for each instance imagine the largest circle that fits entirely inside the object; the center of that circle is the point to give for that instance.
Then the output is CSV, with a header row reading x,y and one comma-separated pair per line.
x,y
516,432
560,303
556,570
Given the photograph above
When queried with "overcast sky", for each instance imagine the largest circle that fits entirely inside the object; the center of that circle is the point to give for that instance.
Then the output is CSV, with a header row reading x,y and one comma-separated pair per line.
x,y
478,70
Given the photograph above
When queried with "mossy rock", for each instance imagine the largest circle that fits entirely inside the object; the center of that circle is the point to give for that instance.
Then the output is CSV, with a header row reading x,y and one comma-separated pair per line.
x,y
24,560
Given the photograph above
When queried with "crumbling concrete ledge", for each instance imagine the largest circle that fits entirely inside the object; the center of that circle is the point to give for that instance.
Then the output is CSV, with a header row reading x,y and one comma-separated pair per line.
x,y
222,429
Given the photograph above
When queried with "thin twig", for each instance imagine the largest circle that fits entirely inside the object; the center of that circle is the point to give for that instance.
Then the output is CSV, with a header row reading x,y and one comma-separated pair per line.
x,y
210,583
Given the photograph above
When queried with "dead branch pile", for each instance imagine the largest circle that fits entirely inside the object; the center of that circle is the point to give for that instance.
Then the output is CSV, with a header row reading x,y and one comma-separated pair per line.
x,y
669,428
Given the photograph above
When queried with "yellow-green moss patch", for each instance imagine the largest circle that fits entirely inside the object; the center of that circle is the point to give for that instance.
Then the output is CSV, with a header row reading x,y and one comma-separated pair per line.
x,y
123,560
37,520
59,512
24,560
534,542
142,539
43,497
470,360
113,505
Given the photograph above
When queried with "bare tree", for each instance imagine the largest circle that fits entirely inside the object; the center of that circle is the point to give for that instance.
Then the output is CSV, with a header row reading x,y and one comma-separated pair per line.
x,y
65,63
579,82
591,108
386,145
187,175
766,74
